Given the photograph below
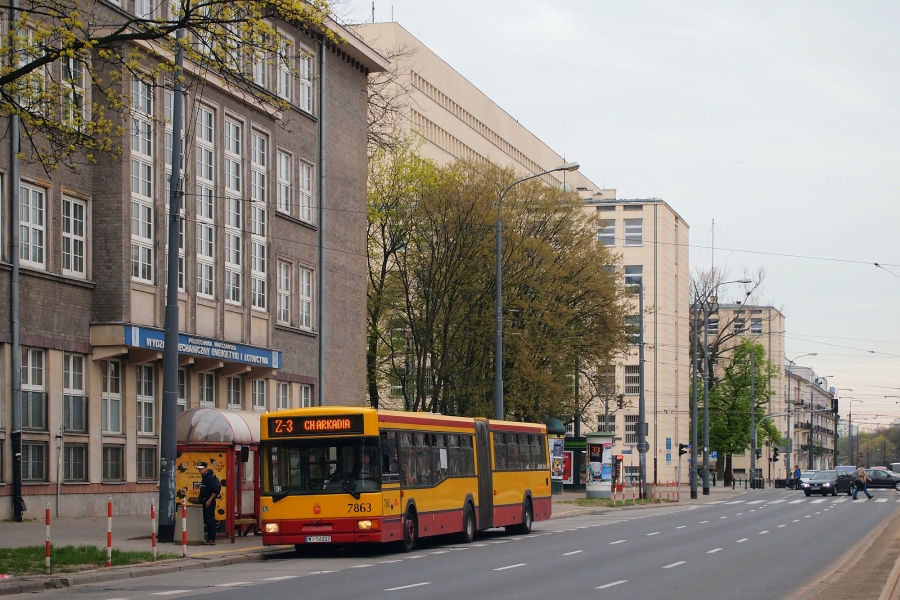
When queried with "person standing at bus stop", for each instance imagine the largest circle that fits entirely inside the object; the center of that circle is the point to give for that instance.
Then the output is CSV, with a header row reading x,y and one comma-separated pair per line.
x,y
210,488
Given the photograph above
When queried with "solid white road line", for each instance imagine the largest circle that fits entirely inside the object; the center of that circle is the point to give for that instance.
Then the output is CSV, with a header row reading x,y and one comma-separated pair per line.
x,y
233,584
609,585
406,587
510,567
439,552
616,542
283,577
171,592
736,502
680,562
387,562
742,540
713,551
572,552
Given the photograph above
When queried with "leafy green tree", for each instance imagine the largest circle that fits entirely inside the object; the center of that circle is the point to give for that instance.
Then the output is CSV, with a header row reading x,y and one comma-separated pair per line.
x,y
729,404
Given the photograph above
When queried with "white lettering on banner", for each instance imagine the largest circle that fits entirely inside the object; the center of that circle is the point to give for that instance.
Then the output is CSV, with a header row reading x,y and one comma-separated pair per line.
x,y
200,347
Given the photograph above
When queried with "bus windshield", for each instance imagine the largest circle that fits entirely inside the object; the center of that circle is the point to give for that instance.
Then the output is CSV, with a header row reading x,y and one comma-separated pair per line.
x,y
317,466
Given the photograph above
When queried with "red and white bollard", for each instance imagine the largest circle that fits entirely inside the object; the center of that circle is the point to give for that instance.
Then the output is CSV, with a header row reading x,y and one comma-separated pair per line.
x,y
109,531
153,527
184,529
47,542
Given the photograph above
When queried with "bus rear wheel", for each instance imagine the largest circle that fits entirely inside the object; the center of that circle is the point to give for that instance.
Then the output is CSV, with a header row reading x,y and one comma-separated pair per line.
x,y
410,532
468,532
524,528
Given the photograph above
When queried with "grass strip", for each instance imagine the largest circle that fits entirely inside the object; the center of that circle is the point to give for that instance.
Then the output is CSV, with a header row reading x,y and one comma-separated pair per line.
x,y
29,560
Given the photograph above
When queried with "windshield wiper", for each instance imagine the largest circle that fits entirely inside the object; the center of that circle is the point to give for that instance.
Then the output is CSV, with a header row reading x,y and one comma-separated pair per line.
x,y
281,495
350,490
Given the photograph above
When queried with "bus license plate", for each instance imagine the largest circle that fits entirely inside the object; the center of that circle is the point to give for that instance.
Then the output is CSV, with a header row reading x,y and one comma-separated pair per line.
x,y
317,538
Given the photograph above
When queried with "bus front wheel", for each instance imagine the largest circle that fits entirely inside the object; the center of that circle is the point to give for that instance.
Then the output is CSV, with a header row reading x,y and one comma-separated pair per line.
x,y
410,532
524,527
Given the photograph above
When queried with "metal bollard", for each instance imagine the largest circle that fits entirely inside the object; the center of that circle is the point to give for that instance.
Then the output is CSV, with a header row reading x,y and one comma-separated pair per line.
x,y
47,542
153,526
109,510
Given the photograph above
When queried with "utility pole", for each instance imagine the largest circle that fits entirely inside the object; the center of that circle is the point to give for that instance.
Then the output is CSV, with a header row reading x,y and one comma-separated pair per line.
x,y
809,448
642,409
168,442
693,475
706,376
752,414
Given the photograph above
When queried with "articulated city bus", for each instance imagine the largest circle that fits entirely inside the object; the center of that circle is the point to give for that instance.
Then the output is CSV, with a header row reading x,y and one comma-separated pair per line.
x,y
338,475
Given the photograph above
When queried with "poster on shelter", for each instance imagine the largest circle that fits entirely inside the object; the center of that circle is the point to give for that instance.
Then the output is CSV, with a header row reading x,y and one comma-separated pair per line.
x,y
567,468
187,477
556,458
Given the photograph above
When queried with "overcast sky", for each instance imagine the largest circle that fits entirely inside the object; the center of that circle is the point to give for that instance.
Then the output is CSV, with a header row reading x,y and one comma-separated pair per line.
x,y
780,121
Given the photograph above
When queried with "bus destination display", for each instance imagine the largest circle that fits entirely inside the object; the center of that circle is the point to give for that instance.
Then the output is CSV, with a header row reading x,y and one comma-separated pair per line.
x,y
323,425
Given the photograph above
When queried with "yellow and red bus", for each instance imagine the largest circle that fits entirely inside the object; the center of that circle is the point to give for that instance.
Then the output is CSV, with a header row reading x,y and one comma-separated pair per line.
x,y
339,475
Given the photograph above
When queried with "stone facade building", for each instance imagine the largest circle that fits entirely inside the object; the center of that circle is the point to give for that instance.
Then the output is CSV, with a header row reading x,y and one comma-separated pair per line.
x,y
271,278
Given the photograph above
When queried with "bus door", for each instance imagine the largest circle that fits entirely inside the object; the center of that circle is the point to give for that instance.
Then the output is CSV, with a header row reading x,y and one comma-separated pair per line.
x,y
485,478
390,477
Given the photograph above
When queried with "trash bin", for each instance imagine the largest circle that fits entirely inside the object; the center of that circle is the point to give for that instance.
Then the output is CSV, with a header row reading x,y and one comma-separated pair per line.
x,y
760,483
780,483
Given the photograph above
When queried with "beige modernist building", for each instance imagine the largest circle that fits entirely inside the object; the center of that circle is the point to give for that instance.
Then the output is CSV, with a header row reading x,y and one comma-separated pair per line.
x,y
456,120
765,325
812,423
652,241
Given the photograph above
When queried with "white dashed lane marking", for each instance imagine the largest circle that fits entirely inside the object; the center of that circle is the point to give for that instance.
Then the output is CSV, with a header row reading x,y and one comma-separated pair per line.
x,y
675,564
609,585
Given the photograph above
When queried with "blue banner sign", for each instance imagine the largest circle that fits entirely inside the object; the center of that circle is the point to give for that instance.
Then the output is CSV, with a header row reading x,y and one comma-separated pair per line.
x,y
192,345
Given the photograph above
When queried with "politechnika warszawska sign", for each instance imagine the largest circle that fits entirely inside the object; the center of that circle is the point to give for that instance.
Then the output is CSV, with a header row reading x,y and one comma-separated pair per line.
x,y
192,345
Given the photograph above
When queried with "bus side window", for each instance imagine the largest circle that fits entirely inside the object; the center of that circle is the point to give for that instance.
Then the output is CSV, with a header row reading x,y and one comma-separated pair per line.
x,y
407,459
390,462
453,455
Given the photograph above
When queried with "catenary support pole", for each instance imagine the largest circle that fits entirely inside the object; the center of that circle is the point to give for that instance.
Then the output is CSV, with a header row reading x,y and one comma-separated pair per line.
x,y
706,376
694,422
167,438
18,501
642,402
753,414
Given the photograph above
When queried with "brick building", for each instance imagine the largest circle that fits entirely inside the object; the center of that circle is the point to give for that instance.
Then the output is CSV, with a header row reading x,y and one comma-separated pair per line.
x,y
271,278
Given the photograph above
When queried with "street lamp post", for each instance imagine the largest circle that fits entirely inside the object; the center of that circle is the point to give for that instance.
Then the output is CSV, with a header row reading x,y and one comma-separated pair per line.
x,y
790,402
706,375
498,317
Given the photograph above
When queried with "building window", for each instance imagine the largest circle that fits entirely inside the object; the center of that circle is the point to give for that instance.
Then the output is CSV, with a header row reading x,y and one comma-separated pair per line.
x,y
258,393
606,235
632,379
282,395
142,179
285,195
207,389
146,399
631,429
305,75
75,407
111,397
146,463
235,393
261,69
233,222
634,232
756,325
306,298
73,95
634,275
306,189
206,240
74,461
285,59
603,425
113,463
305,396
32,226
73,239
713,326
182,391
740,325
258,257
633,329
283,313
34,461
33,397
143,9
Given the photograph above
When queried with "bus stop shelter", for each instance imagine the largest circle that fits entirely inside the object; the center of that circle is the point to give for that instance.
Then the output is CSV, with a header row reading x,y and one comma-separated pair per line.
x,y
228,441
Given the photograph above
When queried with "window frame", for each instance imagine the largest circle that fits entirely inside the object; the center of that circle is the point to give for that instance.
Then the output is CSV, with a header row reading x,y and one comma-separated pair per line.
x,y
207,387
282,395
305,190
258,395
34,225
33,388
74,244
306,296
632,380
606,233
107,476
69,463
142,463
283,284
28,462
633,230
143,169
110,397
145,399
235,389
74,393
284,178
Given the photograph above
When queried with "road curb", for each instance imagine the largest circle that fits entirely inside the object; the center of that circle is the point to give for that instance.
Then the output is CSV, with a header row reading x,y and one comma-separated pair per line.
x,y
31,584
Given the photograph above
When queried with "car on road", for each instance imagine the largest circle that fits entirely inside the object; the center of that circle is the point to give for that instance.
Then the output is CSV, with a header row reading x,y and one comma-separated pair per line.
x,y
805,476
882,478
828,482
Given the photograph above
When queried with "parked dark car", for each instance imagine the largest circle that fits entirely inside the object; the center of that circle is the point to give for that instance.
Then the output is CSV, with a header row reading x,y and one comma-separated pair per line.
x,y
828,482
882,478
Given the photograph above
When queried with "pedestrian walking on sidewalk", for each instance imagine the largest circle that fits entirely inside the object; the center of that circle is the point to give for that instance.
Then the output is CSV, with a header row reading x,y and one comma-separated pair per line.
x,y
861,479
210,488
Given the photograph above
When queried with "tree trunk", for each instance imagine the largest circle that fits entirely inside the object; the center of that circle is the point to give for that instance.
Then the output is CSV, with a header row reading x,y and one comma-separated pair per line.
x,y
728,474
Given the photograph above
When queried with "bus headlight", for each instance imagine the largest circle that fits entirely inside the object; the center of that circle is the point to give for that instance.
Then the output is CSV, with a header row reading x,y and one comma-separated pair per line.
x,y
367,524
272,528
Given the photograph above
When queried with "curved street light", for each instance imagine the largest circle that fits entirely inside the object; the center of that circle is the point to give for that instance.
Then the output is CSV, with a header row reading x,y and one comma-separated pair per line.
x,y
498,317
705,393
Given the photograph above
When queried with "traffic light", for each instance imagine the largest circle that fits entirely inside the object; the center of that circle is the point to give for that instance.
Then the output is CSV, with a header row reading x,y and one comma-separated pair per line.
x,y
620,401
758,453
775,454
834,406
682,449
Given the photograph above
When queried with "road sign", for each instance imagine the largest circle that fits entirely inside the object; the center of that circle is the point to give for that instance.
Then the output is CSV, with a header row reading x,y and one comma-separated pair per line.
x,y
643,447
714,455
626,451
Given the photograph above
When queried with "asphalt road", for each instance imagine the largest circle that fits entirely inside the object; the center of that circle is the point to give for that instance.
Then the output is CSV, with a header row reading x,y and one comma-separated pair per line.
x,y
762,545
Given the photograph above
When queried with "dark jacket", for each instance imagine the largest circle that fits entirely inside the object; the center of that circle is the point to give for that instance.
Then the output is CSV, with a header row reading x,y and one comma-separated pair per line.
x,y
209,485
